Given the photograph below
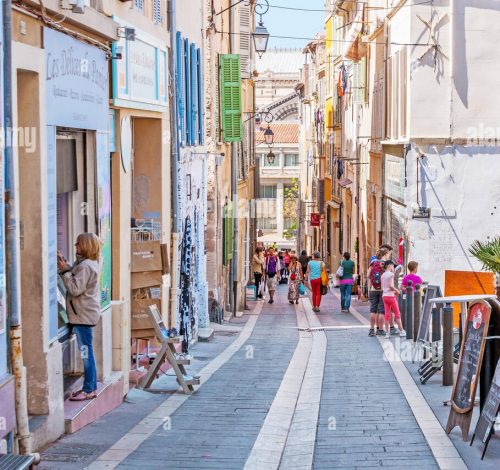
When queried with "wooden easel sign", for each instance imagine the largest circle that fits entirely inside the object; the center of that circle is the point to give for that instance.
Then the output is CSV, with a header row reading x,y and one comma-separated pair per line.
x,y
484,427
167,353
469,367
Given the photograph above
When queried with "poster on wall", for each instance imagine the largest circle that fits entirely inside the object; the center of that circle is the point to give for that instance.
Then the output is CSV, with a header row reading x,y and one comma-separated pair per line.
x,y
104,214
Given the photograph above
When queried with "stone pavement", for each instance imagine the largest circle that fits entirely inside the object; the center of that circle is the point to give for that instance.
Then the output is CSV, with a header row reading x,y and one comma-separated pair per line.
x,y
365,420
275,398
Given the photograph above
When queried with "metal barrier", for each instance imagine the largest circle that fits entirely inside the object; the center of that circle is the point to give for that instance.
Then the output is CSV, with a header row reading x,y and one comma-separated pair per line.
x,y
145,230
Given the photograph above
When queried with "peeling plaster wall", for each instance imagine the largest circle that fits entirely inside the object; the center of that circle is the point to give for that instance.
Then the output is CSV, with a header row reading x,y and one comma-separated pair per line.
x,y
464,198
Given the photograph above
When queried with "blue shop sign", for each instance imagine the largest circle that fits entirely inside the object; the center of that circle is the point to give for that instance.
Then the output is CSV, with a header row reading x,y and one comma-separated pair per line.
x,y
140,76
76,82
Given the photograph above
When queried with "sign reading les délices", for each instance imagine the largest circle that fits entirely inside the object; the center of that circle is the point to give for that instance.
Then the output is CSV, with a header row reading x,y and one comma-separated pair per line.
x,y
76,82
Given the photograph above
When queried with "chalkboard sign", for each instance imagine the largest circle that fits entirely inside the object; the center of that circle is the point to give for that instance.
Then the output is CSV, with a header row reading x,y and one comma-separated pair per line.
x,y
469,366
425,320
491,407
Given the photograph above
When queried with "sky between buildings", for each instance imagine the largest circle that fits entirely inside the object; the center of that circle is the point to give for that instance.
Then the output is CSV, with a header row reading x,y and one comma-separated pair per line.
x,y
282,22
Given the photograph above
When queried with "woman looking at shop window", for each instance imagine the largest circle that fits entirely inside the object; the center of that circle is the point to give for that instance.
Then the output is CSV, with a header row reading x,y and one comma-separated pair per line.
x,y
83,305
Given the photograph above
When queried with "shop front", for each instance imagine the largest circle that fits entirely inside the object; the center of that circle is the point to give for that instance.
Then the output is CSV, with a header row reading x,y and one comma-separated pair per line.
x,y
394,208
78,186
141,184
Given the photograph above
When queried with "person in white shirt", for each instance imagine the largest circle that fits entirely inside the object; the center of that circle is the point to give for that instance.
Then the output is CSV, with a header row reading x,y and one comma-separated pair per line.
x,y
389,292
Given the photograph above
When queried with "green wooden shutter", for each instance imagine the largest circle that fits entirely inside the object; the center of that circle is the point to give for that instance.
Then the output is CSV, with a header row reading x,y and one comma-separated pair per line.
x,y
232,129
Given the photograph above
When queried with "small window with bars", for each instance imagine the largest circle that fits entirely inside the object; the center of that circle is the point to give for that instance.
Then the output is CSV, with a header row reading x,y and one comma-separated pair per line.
x,y
139,5
157,17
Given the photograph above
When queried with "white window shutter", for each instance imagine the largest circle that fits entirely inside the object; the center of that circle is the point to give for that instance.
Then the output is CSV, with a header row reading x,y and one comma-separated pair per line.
x,y
362,81
244,38
356,95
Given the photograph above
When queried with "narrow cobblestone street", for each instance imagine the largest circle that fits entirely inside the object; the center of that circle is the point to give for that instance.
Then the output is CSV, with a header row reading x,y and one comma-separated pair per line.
x,y
292,390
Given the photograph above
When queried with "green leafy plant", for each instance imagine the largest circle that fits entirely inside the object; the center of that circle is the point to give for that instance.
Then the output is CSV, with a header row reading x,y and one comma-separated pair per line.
x,y
489,254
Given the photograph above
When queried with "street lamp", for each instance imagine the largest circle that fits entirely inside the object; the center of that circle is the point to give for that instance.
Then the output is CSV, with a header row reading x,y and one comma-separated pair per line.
x,y
269,136
271,157
261,34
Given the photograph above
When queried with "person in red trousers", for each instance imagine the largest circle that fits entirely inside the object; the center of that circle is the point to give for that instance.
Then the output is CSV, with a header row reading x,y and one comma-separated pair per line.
x,y
314,269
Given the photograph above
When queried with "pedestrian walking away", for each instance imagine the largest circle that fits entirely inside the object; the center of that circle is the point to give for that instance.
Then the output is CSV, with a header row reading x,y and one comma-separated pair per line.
x,y
315,269
258,262
346,279
294,280
304,261
83,305
390,301
377,310
272,271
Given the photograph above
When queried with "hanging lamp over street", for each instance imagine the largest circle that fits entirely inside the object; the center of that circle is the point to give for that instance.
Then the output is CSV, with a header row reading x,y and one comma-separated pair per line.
x,y
260,39
269,136
271,157
261,34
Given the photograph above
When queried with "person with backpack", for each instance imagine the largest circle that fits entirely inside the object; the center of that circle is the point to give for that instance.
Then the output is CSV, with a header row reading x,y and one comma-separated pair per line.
x,y
377,310
390,291
315,269
272,272
346,280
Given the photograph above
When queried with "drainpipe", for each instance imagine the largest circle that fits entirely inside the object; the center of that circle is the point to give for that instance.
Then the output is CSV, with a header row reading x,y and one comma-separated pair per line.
x,y
175,152
234,190
11,246
234,197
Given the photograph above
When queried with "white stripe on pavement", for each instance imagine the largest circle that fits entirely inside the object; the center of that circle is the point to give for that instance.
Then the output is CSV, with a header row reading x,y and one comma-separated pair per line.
x,y
300,444
444,451
119,451
270,443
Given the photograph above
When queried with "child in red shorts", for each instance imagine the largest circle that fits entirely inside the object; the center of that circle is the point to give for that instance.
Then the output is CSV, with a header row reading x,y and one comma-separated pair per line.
x,y
389,292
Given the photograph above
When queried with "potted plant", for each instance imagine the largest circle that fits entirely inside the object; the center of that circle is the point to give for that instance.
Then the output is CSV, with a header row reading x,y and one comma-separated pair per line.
x,y
489,254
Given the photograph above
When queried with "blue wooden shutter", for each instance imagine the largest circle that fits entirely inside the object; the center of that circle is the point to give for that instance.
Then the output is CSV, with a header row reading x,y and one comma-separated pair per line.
x,y
180,90
200,97
187,91
194,97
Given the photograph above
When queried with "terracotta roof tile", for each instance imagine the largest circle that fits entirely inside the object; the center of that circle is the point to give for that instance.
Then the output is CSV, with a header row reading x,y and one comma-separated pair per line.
x,y
284,133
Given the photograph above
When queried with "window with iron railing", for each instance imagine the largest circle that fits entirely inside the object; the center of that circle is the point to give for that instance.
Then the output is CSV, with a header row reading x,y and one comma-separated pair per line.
x,y
139,5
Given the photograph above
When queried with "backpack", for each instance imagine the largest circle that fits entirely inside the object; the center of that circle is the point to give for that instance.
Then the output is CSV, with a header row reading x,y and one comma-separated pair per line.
x,y
376,274
271,264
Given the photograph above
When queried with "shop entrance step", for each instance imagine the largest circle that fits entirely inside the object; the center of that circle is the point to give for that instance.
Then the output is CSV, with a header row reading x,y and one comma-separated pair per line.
x,y
78,414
